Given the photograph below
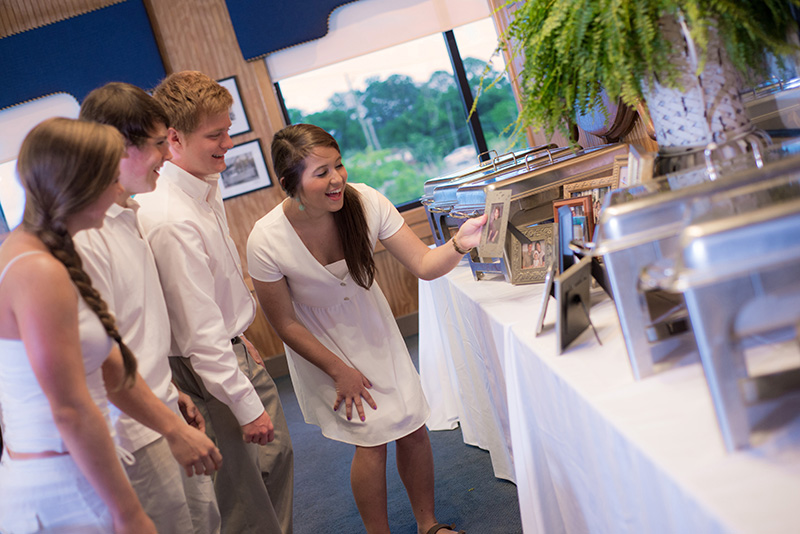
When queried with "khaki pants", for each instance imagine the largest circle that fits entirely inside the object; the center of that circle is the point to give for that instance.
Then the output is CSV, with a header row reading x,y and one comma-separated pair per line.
x,y
255,485
177,504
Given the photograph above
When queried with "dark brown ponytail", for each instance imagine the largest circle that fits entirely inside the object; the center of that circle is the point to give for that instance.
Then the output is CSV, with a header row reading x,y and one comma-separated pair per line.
x,y
351,223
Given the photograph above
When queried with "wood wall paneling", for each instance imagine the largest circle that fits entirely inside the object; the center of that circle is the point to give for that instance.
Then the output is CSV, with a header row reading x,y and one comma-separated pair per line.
x,y
21,15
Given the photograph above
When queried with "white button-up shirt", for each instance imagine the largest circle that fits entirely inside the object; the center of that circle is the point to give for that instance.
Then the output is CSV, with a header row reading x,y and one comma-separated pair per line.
x,y
201,274
121,266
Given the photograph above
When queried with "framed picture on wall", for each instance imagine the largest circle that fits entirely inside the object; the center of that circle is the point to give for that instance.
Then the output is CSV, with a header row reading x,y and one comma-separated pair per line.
x,y
246,171
239,122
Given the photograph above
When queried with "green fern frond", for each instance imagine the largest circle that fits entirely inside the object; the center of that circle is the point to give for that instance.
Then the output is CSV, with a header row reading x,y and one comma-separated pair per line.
x,y
573,48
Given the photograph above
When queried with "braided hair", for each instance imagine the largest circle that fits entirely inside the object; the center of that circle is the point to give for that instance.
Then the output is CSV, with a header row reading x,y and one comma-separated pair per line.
x,y
290,146
65,165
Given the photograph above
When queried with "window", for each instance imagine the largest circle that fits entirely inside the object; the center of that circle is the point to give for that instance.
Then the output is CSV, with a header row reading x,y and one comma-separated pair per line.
x,y
15,123
398,115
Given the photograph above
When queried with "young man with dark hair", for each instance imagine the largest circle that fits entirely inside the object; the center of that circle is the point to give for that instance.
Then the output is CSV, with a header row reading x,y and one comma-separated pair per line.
x,y
121,266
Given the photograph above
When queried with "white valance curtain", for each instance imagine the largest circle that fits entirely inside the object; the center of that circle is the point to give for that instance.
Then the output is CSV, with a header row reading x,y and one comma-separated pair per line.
x,y
366,26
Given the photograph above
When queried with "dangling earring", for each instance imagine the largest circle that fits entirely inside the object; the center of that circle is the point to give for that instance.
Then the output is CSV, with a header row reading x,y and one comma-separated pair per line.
x,y
299,203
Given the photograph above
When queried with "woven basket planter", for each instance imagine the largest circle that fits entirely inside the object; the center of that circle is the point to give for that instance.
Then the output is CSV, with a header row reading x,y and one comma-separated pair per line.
x,y
706,111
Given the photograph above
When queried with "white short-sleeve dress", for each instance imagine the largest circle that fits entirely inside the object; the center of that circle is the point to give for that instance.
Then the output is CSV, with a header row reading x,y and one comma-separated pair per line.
x,y
354,323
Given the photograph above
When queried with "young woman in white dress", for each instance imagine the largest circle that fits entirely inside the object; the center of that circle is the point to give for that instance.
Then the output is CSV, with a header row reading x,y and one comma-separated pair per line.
x,y
311,261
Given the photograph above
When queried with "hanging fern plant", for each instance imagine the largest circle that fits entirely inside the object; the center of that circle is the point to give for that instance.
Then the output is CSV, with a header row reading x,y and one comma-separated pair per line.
x,y
573,48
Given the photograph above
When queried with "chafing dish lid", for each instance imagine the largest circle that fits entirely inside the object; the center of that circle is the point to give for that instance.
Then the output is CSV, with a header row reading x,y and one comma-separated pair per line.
x,y
524,181
643,214
483,168
737,246
445,195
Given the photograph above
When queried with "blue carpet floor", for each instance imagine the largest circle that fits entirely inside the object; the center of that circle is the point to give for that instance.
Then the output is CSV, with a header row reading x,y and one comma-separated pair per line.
x,y
467,493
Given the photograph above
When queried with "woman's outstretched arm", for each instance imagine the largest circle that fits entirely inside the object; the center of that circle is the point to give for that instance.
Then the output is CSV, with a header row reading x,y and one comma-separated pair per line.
x,y
427,263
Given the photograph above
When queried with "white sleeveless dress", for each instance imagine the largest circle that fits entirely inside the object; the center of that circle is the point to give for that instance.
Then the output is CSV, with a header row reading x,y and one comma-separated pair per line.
x,y
354,323
48,494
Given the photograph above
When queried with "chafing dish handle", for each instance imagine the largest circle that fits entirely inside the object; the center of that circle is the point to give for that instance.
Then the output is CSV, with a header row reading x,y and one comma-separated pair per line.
x,y
488,152
659,275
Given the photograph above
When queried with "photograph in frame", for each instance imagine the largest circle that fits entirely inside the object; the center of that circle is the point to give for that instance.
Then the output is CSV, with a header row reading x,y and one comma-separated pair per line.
x,y
246,170
582,209
528,262
239,122
597,189
493,235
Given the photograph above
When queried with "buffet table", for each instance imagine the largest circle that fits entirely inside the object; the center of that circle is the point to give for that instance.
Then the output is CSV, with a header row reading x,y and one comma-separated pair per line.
x,y
590,448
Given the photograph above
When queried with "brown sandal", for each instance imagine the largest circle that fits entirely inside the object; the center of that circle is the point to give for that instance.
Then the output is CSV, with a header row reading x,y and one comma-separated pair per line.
x,y
439,526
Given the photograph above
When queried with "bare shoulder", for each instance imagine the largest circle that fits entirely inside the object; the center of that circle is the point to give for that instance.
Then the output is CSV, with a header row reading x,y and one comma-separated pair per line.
x,y
34,272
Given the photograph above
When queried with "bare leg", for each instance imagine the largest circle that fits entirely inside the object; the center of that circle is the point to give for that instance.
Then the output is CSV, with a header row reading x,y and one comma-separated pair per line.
x,y
368,480
415,466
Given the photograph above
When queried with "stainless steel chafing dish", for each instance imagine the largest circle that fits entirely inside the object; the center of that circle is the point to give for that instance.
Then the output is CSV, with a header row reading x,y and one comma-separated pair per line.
x,y
439,194
741,282
641,225
533,190
775,107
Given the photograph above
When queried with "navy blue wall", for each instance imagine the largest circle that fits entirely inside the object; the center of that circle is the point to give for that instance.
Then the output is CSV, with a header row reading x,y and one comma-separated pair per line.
x,y
76,55
267,26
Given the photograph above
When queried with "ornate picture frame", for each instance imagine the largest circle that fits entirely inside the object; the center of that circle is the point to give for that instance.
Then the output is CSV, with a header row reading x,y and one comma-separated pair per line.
x,y
532,270
239,122
597,189
246,171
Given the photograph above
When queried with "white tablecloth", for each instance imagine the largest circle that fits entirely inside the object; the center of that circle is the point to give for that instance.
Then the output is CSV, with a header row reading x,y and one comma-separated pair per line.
x,y
591,449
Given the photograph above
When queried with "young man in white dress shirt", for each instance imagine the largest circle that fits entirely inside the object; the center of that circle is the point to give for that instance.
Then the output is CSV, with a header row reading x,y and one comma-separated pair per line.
x,y
122,269
210,306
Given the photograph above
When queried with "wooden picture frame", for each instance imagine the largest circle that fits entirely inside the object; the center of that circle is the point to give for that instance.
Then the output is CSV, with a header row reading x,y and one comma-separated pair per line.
x,y
528,270
239,122
246,171
597,189
580,207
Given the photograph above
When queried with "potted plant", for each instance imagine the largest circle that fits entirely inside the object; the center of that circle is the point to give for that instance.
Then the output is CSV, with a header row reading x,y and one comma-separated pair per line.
x,y
638,49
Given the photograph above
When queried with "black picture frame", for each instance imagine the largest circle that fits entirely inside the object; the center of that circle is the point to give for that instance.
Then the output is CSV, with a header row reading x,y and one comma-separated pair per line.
x,y
240,124
246,172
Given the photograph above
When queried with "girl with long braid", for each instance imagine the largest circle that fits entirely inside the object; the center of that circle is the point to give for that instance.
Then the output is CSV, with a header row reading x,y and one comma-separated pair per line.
x,y
60,471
